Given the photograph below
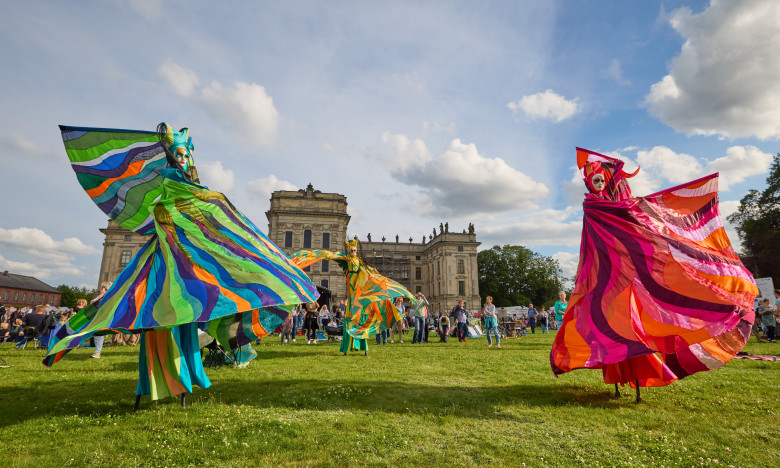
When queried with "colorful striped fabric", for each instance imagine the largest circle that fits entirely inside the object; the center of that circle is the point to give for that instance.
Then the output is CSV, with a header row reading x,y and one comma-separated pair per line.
x,y
121,170
659,294
370,295
170,363
205,263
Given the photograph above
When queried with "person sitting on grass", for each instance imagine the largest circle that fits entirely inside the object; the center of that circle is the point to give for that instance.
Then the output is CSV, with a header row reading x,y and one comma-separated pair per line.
x,y
5,332
765,312
17,333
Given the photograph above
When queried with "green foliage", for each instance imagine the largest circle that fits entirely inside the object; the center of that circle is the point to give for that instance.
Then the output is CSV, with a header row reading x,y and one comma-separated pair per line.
x,y
455,404
758,225
515,275
71,294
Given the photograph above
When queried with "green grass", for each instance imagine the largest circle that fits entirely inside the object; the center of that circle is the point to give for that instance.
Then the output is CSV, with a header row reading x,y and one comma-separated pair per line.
x,y
411,405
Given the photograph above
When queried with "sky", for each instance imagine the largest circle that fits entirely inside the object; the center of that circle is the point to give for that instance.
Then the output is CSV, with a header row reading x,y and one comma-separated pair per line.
x,y
419,112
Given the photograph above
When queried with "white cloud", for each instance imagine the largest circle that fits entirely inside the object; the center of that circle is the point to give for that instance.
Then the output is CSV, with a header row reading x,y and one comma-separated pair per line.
x,y
535,228
247,110
546,105
724,82
739,163
35,239
459,181
615,71
216,177
568,262
182,80
45,257
150,9
263,187
674,167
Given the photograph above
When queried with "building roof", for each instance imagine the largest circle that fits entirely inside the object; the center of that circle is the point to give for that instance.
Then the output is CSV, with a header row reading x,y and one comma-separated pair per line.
x,y
10,280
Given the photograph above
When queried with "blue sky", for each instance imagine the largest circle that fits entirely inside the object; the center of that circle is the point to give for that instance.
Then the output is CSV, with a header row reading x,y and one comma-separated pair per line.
x,y
418,112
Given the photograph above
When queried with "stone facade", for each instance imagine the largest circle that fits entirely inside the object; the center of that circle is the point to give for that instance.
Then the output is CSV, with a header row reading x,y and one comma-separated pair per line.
x,y
442,266
119,247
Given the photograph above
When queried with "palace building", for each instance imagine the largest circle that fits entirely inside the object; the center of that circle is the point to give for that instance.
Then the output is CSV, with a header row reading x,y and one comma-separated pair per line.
x,y
442,266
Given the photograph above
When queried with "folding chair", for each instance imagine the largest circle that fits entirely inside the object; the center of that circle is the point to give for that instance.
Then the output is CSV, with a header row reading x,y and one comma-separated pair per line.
x,y
30,333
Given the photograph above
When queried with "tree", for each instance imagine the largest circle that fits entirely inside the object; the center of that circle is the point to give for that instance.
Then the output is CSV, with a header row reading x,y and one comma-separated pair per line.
x,y
515,275
758,224
71,294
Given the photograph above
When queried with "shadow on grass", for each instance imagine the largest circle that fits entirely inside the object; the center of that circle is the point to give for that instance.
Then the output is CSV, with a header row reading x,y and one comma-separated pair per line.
x,y
116,396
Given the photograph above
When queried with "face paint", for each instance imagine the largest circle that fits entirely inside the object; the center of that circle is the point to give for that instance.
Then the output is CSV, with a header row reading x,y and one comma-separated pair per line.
x,y
598,182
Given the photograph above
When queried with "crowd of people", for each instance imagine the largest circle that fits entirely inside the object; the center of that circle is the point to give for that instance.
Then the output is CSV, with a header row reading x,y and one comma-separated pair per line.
x,y
20,325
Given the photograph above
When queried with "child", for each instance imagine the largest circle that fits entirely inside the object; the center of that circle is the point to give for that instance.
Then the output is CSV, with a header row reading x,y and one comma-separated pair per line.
x,y
764,311
287,328
444,328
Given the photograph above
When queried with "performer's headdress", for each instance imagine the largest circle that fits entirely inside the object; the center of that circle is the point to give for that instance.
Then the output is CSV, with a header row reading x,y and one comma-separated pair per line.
x,y
615,184
351,244
178,146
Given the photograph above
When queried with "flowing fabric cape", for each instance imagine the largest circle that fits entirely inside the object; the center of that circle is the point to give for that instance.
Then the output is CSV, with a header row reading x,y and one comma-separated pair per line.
x,y
659,294
370,295
205,263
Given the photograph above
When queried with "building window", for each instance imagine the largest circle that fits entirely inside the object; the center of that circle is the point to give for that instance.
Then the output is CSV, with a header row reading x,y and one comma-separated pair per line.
x,y
128,237
325,266
308,268
417,257
404,272
460,248
324,283
6,296
51,299
461,288
16,296
419,289
325,240
40,298
417,273
126,254
307,239
461,266
288,238
24,297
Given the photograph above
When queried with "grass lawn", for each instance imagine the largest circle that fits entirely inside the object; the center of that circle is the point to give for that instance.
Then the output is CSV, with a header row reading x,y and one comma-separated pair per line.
x,y
412,405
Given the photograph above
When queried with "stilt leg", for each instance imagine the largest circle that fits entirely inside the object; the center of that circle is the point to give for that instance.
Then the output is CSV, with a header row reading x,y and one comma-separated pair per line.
x,y
137,403
183,400
638,398
617,392
365,352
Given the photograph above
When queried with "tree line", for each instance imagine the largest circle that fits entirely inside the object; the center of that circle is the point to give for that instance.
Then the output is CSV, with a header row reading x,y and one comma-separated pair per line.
x,y
515,275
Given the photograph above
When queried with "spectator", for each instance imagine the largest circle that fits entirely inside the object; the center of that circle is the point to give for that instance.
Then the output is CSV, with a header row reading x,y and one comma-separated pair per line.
x,y
491,321
765,311
287,328
296,317
101,338
323,317
444,328
532,318
560,309
342,310
17,333
418,315
310,323
398,327
777,301
5,332
542,319
461,317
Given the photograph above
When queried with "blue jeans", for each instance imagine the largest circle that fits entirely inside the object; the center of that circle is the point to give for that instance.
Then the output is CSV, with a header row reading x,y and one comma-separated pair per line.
x,y
463,330
99,343
383,335
296,323
532,322
544,328
419,329
495,332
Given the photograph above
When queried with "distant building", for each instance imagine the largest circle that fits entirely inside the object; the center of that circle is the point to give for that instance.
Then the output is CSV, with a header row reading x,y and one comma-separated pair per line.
x,y
442,266
26,291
